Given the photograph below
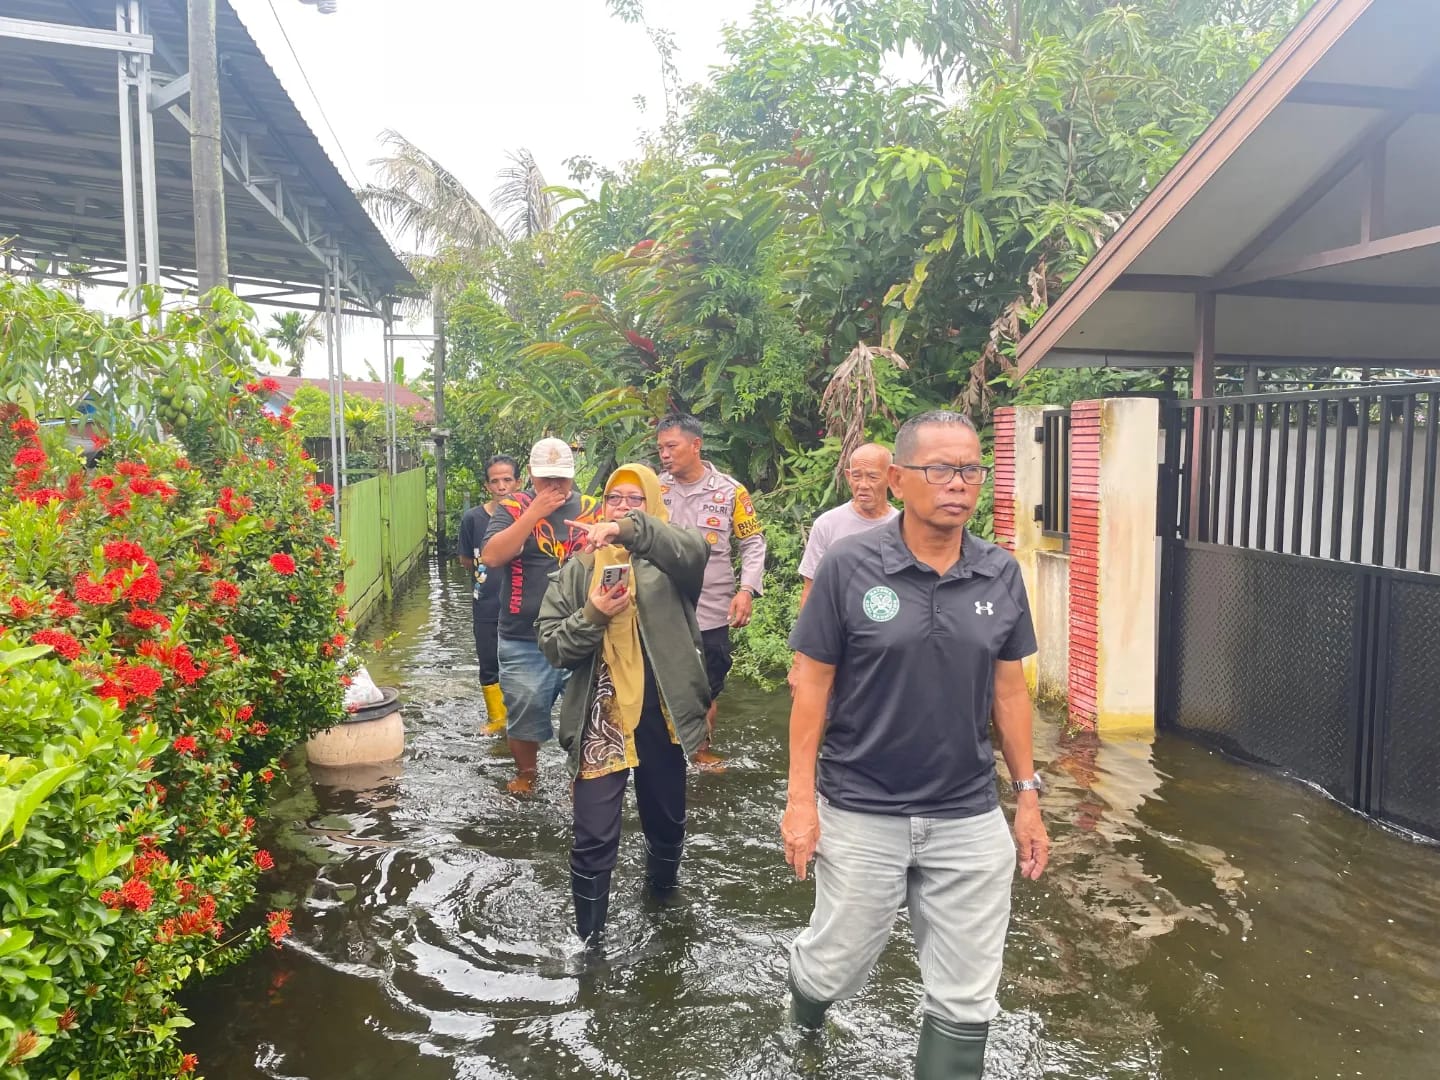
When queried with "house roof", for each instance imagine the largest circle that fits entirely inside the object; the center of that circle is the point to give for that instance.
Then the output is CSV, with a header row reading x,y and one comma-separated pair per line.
x,y
1308,208
286,203
405,398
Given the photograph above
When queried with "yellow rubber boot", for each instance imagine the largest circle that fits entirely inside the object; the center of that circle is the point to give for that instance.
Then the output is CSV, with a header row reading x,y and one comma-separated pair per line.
x,y
494,709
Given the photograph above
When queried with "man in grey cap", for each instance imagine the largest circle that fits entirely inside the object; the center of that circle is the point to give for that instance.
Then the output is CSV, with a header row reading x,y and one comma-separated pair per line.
x,y
528,539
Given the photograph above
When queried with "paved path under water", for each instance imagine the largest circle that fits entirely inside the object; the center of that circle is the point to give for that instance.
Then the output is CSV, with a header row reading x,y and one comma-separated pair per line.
x,y
1199,919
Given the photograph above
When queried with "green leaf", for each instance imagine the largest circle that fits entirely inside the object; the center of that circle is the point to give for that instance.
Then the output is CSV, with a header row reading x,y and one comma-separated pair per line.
x,y
10,657
36,790
13,939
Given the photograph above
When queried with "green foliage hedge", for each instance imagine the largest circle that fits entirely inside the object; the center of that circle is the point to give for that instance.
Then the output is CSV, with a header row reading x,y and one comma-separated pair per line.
x,y
169,625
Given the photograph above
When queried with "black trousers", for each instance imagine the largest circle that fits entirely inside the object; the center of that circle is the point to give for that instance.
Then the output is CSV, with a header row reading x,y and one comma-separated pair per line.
x,y
487,641
659,795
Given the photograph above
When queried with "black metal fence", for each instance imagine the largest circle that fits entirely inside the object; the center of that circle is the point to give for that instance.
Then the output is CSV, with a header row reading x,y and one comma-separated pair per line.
x,y
1053,513
1298,622
1347,474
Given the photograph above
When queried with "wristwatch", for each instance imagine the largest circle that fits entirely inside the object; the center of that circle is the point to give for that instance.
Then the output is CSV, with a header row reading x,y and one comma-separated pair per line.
x,y
1033,784
748,590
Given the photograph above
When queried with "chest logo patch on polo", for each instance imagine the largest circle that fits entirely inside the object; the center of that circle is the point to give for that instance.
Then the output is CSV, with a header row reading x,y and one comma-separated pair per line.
x,y
881,604
984,607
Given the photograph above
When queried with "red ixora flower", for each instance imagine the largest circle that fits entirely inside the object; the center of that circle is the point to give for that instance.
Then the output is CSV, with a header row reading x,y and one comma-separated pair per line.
x,y
244,712
270,385
277,925
264,860
21,608
282,563
141,680
252,387
29,455
145,619
185,745
90,591
61,642
62,607
144,589
135,893
126,551
24,426
187,1065
225,592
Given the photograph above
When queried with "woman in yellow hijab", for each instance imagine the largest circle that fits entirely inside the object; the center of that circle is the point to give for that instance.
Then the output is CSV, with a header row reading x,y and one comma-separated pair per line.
x,y
637,694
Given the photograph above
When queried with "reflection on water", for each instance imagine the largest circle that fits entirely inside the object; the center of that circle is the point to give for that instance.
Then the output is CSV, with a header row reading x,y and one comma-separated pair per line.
x,y
1199,919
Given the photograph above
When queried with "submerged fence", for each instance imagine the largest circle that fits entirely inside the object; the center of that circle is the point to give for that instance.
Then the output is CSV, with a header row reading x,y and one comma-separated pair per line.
x,y
1300,602
383,522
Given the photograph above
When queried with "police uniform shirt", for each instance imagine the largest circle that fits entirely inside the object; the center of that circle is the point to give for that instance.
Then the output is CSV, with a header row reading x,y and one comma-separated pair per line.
x,y
908,725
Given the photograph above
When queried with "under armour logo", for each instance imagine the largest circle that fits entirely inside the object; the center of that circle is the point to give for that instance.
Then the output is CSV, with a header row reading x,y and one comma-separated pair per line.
x,y
984,607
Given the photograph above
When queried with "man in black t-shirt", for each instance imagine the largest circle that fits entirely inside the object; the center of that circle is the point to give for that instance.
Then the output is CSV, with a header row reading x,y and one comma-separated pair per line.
x,y
909,645
528,539
501,475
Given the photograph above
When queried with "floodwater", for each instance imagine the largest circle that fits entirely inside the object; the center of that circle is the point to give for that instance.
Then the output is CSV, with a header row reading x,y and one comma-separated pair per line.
x,y
1199,919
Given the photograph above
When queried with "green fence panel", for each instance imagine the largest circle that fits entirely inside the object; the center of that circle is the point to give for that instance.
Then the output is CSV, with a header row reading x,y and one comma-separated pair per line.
x,y
409,521
361,534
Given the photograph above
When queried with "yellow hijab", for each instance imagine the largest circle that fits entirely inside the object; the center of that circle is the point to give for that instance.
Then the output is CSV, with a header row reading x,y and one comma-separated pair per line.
x,y
621,647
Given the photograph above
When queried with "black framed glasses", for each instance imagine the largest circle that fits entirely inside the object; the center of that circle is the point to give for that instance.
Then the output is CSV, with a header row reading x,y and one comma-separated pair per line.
x,y
635,502
943,474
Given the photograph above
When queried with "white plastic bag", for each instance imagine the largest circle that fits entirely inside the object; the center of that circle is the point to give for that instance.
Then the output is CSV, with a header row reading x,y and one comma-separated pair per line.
x,y
362,691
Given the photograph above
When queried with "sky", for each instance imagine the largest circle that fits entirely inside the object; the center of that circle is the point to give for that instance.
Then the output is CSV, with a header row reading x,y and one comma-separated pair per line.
x,y
469,80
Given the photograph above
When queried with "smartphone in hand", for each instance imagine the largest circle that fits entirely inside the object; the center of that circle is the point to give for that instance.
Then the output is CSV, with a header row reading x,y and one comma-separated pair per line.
x,y
615,574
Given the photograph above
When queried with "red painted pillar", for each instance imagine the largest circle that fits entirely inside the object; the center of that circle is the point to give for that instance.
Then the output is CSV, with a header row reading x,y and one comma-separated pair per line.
x,y
1004,485
1084,562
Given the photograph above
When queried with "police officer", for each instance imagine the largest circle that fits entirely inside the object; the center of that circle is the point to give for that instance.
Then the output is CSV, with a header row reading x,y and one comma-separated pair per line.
x,y
910,643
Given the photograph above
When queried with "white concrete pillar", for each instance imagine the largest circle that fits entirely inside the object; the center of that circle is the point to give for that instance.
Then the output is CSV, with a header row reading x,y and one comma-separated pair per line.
x,y
1114,461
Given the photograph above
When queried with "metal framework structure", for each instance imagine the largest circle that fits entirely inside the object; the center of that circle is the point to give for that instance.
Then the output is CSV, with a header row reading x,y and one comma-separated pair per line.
x,y
95,146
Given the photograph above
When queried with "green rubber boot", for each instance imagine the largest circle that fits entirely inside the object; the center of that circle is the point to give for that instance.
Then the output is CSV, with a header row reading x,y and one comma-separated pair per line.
x,y
804,1012
950,1051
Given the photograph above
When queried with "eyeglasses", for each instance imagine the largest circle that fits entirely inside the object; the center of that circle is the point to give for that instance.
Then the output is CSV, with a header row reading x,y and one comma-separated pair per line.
x,y
635,502
943,474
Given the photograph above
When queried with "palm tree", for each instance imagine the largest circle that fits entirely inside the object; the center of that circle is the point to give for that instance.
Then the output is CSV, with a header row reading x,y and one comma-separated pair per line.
x,y
292,332
523,198
427,205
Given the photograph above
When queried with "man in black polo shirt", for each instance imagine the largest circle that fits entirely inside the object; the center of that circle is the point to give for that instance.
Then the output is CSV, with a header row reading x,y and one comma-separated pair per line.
x,y
909,645
501,475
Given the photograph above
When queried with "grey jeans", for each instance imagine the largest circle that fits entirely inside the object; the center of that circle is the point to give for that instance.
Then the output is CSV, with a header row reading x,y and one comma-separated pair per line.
x,y
955,876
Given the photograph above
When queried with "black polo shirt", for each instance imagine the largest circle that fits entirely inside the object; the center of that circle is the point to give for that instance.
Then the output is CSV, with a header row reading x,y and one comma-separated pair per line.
x,y
908,726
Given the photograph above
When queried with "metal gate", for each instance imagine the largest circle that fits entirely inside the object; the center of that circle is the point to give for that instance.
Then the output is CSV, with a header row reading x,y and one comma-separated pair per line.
x,y
1300,598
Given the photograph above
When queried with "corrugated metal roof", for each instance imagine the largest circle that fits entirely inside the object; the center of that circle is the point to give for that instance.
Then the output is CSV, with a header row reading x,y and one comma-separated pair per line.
x,y
60,184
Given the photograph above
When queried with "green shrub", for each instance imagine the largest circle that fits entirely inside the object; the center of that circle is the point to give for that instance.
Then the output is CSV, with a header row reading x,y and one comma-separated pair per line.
x,y
185,591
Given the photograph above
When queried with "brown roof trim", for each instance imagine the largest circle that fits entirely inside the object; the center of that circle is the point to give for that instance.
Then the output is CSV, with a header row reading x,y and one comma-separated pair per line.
x,y
1281,72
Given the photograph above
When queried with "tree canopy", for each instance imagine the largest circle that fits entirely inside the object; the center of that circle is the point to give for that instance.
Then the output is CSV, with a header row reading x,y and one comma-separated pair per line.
x,y
813,231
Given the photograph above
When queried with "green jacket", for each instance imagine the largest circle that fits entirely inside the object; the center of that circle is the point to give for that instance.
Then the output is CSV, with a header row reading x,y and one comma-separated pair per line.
x,y
668,566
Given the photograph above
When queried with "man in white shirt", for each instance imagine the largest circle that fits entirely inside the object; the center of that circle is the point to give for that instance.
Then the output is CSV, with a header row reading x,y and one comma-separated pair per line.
x,y
869,506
